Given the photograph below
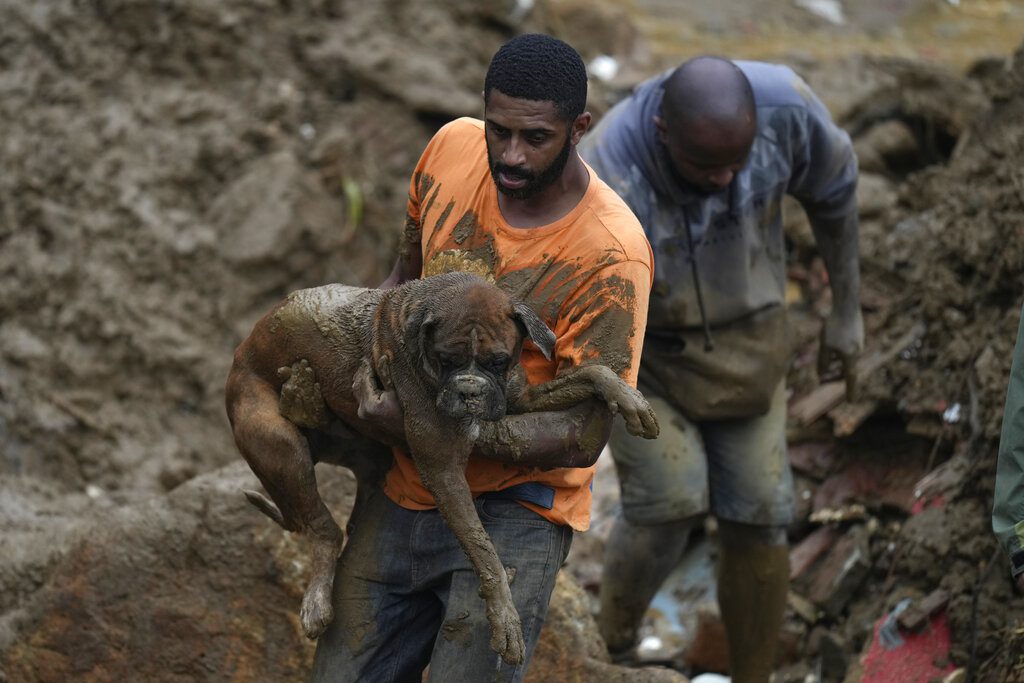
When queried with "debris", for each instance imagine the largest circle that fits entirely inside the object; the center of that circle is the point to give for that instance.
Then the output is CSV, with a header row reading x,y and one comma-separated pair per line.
x,y
918,613
911,661
803,607
830,394
603,67
810,549
856,512
889,631
829,10
837,576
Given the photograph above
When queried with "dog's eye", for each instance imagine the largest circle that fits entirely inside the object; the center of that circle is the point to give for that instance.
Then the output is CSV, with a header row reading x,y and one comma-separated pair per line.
x,y
497,364
448,360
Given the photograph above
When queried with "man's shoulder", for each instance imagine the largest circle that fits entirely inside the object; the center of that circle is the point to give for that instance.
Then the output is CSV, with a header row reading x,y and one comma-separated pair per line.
x,y
618,224
776,85
458,135
456,147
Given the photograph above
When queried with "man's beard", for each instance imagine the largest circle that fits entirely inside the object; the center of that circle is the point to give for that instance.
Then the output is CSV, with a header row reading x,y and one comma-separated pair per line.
x,y
536,182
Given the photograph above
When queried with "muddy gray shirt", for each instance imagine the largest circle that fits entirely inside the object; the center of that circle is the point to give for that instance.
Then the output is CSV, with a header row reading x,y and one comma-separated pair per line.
x,y
737,232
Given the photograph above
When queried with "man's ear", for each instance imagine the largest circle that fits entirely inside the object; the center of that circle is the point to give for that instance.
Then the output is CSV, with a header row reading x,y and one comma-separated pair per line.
x,y
535,328
580,126
662,127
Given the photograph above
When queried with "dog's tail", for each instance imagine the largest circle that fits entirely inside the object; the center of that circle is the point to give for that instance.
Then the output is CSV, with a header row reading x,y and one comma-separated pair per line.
x,y
261,503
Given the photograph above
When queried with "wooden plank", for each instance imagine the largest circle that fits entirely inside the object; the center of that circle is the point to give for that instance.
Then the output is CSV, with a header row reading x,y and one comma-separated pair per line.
x,y
830,394
846,417
918,614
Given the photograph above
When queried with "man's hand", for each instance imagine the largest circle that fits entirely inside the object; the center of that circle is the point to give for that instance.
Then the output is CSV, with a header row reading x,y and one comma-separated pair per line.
x,y
378,407
842,337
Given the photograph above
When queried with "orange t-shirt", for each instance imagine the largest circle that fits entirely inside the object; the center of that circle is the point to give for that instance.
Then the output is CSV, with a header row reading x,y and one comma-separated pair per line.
x,y
587,275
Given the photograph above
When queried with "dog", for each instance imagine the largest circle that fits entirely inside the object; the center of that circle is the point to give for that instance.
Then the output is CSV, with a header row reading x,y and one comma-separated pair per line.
x,y
448,346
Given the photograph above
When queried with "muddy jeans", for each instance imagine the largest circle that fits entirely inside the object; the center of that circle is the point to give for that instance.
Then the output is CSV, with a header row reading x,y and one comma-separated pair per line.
x,y
735,468
405,594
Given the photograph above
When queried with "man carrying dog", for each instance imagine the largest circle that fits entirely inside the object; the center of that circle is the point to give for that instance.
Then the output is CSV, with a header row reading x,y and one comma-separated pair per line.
x,y
703,156
507,198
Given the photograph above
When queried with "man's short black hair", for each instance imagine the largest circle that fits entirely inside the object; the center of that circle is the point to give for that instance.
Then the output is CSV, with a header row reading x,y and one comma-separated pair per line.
x,y
537,67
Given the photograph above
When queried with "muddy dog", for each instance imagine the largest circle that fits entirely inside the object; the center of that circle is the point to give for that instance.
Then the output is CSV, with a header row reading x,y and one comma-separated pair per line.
x,y
449,347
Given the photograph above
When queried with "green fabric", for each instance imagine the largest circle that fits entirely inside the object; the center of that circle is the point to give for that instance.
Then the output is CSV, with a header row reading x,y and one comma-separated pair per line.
x,y
1008,509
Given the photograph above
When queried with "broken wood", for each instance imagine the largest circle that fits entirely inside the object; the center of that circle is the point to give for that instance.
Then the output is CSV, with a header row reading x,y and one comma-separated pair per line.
x,y
917,615
847,417
830,394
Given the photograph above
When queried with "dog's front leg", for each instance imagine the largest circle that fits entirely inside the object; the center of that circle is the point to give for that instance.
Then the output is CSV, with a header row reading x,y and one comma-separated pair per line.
x,y
589,381
440,457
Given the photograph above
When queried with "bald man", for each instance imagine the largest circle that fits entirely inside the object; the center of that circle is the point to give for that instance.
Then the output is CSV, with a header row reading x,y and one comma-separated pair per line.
x,y
703,155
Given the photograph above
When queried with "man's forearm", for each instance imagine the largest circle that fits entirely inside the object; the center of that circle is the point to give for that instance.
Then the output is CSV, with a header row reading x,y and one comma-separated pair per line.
x,y
569,438
838,244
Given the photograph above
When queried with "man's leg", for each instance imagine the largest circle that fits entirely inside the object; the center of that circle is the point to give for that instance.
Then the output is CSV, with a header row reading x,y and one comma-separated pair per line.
x,y
753,580
664,493
532,550
637,560
752,497
384,625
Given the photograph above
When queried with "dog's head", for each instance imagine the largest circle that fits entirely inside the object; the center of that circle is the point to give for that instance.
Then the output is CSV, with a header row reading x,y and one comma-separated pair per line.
x,y
469,341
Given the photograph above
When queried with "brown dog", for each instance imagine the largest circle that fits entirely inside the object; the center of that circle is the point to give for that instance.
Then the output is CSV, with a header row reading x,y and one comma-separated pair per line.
x,y
449,347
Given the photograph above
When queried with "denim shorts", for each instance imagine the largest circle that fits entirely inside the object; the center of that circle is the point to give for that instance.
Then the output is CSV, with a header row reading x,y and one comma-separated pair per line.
x,y
405,594
737,469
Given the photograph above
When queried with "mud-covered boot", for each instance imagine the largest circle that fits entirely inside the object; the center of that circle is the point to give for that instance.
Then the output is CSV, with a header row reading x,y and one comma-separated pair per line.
x,y
637,560
753,581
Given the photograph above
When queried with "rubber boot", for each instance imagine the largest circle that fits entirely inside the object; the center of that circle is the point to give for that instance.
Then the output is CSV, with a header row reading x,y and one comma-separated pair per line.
x,y
753,581
637,560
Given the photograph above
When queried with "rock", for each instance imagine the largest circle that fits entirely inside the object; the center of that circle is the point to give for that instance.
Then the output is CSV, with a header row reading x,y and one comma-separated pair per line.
x,y
193,585
571,650
875,195
273,206
886,146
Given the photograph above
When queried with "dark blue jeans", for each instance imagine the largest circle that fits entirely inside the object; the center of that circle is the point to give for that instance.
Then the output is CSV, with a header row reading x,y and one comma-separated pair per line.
x,y
405,594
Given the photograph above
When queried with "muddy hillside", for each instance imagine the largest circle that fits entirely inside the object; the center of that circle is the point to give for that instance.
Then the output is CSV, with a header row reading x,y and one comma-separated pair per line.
x,y
172,169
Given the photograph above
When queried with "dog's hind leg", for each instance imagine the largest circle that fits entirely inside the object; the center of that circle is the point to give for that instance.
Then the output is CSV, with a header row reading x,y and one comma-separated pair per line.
x,y
280,458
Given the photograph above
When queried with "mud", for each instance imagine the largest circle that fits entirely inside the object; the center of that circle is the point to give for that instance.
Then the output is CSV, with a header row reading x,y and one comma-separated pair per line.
x,y
172,169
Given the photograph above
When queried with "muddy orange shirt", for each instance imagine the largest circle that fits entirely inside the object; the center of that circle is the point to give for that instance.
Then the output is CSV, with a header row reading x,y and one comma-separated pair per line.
x,y
587,275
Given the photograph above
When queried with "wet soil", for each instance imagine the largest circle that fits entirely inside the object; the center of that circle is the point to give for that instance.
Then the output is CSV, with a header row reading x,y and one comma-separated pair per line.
x,y
172,169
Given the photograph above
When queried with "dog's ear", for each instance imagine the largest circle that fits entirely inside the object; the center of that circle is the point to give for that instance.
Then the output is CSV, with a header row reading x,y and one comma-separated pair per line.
x,y
427,323
534,328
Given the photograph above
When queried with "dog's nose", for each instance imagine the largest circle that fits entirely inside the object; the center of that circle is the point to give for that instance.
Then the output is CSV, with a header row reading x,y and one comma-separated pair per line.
x,y
470,387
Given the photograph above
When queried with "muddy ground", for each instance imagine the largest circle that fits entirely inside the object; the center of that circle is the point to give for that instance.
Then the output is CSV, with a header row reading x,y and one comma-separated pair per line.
x,y
171,169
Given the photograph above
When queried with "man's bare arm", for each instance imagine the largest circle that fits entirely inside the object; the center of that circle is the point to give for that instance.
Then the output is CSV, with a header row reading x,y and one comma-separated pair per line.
x,y
408,265
559,438
565,438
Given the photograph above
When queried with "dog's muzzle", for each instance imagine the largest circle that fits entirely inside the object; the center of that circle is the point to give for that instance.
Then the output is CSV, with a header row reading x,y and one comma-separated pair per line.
x,y
469,395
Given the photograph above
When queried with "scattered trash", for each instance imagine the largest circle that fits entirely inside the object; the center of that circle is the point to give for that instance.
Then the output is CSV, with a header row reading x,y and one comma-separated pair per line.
x,y
829,10
889,631
603,67
710,678
952,414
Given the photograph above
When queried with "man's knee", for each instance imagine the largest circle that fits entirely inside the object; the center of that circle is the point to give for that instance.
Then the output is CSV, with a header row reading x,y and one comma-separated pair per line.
x,y
738,534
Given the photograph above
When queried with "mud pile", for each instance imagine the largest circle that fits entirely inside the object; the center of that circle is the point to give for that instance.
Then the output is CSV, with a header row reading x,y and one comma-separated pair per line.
x,y
946,254
170,170
960,251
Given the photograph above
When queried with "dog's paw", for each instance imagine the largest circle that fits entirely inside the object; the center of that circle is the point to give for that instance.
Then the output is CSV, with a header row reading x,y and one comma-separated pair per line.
x,y
507,635
638,414
317,612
